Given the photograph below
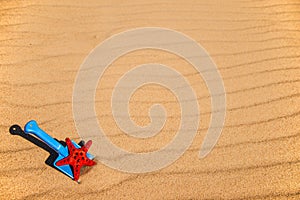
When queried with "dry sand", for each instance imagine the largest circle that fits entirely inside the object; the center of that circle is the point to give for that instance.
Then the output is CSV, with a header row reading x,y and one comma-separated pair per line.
x,y
255,45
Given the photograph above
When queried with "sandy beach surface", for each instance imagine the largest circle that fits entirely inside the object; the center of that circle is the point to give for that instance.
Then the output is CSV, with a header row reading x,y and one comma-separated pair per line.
x,y
255,45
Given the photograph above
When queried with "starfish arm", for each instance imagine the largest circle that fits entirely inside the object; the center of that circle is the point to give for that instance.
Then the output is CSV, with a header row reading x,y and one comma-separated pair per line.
x,y
87,146
76,173
89,162
64,161
70,146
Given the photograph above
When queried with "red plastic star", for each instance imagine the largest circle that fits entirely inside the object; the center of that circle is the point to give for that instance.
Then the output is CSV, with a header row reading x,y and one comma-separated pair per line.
x,y
77,158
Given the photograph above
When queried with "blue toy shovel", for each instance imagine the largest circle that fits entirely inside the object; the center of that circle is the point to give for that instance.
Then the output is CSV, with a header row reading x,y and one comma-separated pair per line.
x,y
70,158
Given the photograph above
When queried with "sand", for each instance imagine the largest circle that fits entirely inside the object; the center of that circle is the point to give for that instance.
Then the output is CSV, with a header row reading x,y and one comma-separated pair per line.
x,y
255,45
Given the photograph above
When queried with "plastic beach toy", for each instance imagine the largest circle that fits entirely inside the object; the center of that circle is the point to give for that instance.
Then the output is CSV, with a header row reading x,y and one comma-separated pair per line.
x,y
70,158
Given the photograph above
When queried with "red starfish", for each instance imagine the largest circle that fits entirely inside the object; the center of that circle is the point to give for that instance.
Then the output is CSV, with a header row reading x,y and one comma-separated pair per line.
x,y
77,158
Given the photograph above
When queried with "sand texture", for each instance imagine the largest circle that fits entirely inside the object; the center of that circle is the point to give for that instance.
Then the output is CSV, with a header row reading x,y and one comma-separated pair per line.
x,y
255,45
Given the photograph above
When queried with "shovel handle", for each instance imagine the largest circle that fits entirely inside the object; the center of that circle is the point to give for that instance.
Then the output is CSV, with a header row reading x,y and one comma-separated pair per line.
x,y
33,128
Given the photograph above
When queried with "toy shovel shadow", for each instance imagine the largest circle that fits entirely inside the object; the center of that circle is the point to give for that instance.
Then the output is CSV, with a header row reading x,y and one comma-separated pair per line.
x,y
62,152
